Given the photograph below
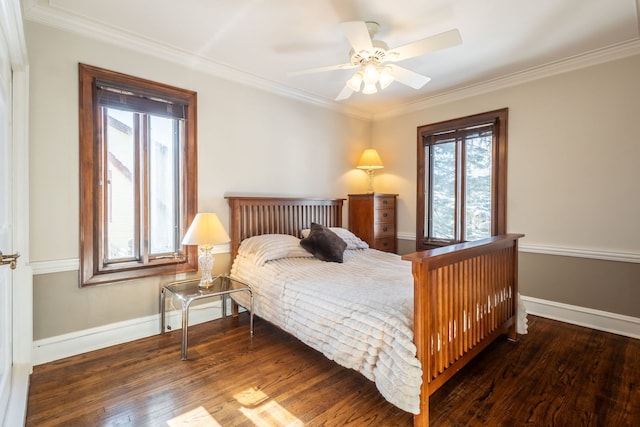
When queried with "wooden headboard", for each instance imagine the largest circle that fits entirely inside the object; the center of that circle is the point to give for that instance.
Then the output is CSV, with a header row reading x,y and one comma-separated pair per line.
x,y
253,216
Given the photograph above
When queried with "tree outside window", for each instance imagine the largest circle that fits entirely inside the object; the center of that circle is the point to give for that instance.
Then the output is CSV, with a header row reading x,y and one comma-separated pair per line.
x,y
461,180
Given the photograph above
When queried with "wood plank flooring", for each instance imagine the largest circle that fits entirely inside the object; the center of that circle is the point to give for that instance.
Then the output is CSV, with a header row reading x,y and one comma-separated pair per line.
x,y
557,375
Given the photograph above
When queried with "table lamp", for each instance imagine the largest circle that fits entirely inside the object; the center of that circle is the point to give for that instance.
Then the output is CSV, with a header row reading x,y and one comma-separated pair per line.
x,y
205,231
370,161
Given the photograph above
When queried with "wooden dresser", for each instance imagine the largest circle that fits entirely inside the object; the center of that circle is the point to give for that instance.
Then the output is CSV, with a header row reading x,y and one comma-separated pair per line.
x,y
372,217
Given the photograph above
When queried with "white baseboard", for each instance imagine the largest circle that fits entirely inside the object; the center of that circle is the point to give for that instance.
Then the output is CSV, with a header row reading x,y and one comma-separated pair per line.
x,y
58,347
582,316
61,346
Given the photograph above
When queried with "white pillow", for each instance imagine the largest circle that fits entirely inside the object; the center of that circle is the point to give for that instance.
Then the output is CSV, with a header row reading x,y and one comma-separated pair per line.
x,y
268,247
352,241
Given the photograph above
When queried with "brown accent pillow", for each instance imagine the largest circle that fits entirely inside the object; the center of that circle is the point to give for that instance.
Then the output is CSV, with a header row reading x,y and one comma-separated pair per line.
x,y
324,244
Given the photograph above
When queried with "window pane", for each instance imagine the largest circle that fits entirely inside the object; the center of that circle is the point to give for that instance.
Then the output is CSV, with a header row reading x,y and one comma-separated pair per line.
x,y
443,187
120,204
163,185
478,186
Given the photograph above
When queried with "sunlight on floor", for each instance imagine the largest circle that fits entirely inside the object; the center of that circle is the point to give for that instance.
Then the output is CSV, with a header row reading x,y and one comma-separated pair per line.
x,y
198,417
263,411
257,406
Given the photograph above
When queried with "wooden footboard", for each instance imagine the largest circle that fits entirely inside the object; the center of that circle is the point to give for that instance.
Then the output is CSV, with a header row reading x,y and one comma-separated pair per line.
x,y
465,296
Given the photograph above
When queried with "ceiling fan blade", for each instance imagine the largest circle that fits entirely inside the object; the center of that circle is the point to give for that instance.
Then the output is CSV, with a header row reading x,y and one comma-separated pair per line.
x,y
344,93
408,77
420,47
321,69
358,35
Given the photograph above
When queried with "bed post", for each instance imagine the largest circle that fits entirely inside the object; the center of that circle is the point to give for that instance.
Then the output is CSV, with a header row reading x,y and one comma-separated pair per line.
x,y
421,324
512,333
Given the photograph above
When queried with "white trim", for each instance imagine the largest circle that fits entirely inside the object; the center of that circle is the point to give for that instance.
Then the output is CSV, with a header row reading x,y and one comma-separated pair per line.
x,y
599,56
57,266
73,264
581,253
600,254
23,275
14,34
583,316
67,21
11,23
17,408
54,348
406,236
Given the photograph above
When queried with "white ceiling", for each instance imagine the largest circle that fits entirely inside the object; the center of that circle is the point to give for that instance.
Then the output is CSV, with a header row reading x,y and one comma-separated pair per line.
x,y
259,41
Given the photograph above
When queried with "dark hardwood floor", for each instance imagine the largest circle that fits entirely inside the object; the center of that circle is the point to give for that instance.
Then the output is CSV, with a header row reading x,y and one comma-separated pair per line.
x,y
557,375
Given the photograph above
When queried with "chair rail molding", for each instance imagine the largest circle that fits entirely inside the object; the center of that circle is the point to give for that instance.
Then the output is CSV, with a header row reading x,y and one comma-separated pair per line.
x,y
550,249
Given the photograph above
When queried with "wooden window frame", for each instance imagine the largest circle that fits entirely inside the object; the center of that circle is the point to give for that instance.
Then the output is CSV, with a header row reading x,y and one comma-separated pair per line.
x,y
93,270
499,118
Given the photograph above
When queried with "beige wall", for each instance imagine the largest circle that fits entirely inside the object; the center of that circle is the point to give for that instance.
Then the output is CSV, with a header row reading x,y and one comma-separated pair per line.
x,y
249,141
603,285
573,174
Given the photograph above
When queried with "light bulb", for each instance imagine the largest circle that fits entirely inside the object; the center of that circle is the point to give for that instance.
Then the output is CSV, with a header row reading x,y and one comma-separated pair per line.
x,y
386,78
369,88
371,73
355,81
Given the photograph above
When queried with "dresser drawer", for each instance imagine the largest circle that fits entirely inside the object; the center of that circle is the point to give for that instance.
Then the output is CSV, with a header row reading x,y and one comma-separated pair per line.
x,y
384,229
387,244
385,215
384,202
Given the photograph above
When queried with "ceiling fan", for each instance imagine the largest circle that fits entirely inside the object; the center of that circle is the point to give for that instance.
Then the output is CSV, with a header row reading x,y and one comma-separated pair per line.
x,y
372,57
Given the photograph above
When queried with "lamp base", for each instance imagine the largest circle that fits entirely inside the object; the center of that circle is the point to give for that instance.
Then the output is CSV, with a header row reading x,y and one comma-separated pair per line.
x,y
206,260
370,172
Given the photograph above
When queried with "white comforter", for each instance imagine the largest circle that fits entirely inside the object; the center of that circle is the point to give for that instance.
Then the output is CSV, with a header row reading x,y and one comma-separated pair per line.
x,y
358,313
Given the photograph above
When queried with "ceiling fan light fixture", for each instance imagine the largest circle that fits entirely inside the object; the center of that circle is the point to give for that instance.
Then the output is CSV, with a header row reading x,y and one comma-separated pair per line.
x,y
355,81
369,57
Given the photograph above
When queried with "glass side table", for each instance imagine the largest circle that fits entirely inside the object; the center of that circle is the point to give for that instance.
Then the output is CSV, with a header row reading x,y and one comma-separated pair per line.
x,y
188,291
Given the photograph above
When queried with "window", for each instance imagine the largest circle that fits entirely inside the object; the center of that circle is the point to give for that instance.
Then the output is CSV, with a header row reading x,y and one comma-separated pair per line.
x,y
137,177
462,179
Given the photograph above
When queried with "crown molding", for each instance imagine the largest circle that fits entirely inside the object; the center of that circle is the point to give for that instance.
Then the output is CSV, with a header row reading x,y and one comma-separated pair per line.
x,y
599,56
39,11
36,11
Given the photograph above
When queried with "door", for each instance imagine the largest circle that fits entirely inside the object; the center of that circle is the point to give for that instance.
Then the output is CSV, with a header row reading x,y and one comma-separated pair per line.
x,y
6,247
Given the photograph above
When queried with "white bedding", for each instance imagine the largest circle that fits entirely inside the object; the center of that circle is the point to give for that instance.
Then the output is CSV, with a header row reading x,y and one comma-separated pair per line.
x,y
358,313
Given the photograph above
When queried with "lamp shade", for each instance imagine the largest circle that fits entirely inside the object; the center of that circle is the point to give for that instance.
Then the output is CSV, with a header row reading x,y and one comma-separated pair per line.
x,y
370,160
206,229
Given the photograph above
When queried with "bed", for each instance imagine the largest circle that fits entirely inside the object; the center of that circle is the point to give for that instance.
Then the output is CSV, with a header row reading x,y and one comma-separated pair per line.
x,y
407,323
